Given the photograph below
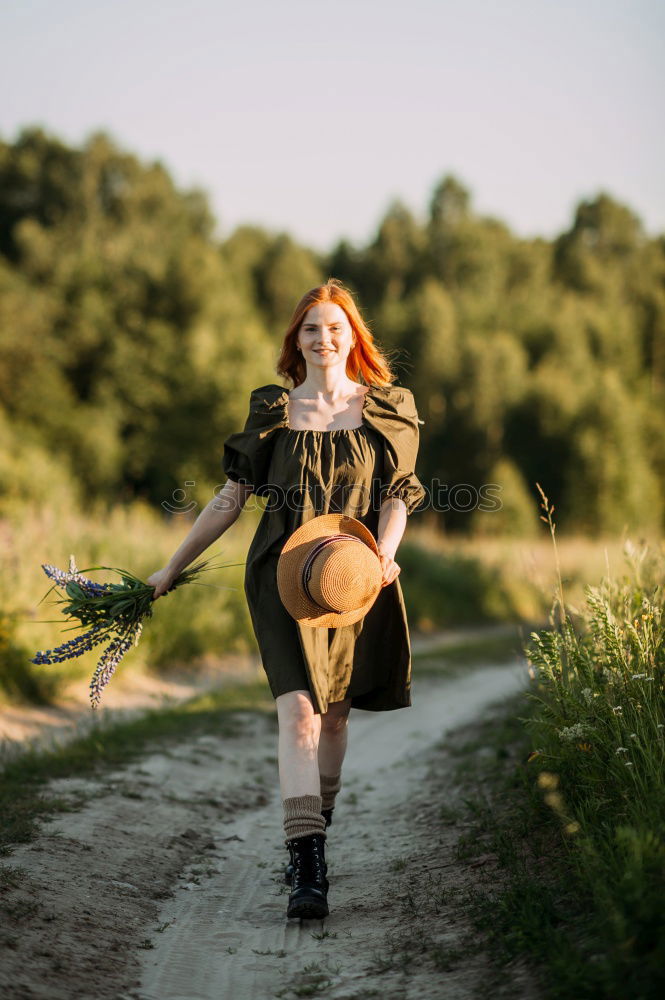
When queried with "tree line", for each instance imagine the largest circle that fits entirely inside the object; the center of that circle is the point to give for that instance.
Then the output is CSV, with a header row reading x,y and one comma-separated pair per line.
x,y
130,337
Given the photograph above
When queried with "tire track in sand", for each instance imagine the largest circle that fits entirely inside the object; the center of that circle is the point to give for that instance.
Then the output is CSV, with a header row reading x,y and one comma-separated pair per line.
x,y
228,937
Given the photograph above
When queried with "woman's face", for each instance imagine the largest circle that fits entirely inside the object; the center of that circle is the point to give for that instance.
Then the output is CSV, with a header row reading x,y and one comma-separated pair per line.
x,y
325,336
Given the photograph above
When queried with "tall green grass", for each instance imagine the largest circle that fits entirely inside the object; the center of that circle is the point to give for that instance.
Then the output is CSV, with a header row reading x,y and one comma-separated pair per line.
x,y
597,733
451,581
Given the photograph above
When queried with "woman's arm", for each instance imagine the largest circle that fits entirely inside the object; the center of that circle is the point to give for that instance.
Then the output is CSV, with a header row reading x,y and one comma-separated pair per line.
x,y
215,518
392,522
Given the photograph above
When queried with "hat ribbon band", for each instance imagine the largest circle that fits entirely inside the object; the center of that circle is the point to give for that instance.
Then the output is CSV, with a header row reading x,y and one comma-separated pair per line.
x,y
309,561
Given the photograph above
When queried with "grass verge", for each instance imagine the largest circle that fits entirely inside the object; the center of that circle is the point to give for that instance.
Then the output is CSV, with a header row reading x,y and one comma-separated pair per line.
x,y
23,800
527,901
568,802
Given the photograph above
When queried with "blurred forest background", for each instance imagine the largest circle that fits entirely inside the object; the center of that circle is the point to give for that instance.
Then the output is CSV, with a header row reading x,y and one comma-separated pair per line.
x,y
130,339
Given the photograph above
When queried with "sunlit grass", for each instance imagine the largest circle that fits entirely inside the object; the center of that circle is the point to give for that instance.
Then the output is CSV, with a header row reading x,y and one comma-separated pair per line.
x,y
584,843
189,624
446,583
449,581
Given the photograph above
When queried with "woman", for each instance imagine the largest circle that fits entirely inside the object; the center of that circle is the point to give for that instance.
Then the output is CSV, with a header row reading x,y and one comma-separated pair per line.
x,y
331,445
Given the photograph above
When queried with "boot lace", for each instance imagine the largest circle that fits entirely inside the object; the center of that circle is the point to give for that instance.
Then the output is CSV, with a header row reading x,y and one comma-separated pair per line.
x,y
307,862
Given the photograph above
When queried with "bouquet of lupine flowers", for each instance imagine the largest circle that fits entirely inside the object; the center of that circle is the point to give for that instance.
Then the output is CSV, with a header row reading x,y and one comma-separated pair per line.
x,y
112,613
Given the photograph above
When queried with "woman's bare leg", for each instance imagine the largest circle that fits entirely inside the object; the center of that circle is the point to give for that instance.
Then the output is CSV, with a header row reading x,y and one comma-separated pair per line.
x,y
333,739
297,747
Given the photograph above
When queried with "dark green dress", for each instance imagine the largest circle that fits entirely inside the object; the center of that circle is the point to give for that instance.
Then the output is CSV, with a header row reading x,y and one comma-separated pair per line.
x,y
304,473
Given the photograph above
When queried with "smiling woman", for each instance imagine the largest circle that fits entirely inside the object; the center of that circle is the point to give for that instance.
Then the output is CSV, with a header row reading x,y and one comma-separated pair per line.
x,y
332,445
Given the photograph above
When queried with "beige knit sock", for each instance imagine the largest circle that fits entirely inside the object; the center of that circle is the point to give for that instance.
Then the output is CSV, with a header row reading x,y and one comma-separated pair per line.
x,y
302,816
330,785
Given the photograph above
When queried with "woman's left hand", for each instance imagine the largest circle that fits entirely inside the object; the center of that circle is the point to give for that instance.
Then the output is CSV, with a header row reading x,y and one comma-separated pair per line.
x,y
389,567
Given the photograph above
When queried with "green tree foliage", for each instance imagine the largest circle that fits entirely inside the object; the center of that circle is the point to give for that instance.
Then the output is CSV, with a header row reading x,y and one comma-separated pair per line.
x,y
531,361
130,338
126,335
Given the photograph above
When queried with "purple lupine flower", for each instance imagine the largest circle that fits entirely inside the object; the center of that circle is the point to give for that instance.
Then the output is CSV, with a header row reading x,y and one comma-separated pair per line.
x,y
116,620
94,589
73,647
63,577
110,659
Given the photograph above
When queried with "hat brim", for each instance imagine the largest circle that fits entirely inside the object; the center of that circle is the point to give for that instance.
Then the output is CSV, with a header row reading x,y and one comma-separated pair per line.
x,y
292,559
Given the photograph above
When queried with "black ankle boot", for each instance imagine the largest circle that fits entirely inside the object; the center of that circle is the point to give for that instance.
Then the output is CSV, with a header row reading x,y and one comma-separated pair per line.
x,y
309,895
288,871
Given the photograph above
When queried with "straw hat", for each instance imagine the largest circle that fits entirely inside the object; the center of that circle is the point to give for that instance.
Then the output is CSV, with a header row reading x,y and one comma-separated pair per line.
x,y
329,573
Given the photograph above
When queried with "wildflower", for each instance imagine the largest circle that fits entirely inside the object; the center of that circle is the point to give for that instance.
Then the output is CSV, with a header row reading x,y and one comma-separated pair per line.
x,y
555,800
587,694
660,725
109,660
71,649
637,677
571,733
617,709
110,613
532,755
548,780
62,578
633,736
572,827
584,746
621,750
629,763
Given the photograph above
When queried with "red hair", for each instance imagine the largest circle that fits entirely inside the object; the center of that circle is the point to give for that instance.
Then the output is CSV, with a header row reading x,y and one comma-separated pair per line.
x,y
365,358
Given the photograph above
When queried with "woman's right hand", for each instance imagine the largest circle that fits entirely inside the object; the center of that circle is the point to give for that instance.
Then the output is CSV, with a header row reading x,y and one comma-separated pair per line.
x,y
162,581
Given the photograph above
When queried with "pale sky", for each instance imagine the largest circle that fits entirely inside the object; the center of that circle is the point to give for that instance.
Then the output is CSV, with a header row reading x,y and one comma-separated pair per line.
x,y
311,117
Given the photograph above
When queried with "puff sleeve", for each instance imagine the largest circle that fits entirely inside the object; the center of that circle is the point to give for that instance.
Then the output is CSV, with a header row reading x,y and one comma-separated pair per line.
x,y
397,419
247,453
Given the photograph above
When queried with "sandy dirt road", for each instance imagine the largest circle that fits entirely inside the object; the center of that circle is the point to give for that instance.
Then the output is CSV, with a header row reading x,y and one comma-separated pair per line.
x,y
134,692
165,882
